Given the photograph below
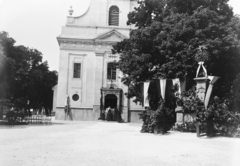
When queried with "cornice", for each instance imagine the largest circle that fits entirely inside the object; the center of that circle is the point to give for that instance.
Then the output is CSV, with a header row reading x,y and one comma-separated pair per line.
x,y
101,39
84,41
86,47
103,27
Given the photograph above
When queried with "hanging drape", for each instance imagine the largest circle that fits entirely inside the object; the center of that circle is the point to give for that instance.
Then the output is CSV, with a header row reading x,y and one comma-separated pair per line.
x,y
145,94
163,87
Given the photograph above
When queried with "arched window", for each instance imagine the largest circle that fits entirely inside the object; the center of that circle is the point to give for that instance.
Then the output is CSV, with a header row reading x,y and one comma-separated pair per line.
x,y
113,16
111,71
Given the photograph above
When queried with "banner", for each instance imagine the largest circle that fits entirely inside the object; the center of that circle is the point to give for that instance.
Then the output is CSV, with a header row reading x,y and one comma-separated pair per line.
x,y
145,94
212,79
163,87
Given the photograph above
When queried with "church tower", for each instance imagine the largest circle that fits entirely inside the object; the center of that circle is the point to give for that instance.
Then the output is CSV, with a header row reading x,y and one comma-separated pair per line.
x,y
87,73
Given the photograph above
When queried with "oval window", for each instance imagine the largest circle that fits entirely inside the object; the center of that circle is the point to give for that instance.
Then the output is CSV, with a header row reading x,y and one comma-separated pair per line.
x,y
75,97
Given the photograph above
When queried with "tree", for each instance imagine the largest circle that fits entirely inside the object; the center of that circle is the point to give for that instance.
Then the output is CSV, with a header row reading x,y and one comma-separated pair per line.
x,y
24,77
6,65
235,94
167,37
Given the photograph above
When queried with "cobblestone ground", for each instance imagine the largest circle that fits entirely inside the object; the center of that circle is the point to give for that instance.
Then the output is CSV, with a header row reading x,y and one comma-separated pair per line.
x,y
77,143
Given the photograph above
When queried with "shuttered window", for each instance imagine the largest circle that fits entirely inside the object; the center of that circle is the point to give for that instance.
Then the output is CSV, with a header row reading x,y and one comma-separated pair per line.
x,y
113,16
77,70
111,71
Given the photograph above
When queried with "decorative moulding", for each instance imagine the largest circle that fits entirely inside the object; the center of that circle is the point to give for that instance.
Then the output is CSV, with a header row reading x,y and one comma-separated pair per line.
x,y
108,38
107,35
99,53
77,54
102,27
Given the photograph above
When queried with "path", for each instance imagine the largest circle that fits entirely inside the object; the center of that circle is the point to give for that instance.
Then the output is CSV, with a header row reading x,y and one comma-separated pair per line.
x,y
109,143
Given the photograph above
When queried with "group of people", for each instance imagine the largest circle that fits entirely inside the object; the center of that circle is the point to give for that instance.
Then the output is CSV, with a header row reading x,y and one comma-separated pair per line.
x,y
15,114
111,114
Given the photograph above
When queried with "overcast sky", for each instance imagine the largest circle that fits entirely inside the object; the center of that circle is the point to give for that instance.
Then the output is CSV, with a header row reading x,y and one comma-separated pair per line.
x,y
37,23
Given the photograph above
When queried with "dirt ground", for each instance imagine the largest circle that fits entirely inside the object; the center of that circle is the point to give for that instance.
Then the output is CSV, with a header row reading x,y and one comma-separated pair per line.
x,y
78,143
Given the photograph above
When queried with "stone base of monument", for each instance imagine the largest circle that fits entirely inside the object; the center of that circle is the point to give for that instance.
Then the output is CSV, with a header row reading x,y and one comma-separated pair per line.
x,y
189,117
186,121
183,117
179,118
179,115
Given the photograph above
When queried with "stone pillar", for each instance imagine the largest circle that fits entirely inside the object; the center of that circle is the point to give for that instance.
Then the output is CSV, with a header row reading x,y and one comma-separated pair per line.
x,y
201,91
201,87
179,115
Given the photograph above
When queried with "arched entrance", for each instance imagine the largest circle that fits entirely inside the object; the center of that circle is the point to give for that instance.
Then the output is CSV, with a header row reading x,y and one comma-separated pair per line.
x,y
111,97
110,101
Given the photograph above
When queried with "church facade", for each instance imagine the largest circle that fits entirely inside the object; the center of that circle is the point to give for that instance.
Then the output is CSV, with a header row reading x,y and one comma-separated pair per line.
x,y
87,71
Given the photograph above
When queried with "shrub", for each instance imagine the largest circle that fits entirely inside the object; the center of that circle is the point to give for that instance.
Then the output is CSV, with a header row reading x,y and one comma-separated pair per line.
x,y
148,121
161,117
191,102
186,127
226,121
235,94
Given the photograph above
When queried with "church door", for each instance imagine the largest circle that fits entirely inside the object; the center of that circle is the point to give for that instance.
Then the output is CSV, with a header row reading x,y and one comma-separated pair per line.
x,y
110,107
110,101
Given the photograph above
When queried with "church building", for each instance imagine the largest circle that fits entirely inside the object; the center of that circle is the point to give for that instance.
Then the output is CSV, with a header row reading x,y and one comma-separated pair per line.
x,y
87,73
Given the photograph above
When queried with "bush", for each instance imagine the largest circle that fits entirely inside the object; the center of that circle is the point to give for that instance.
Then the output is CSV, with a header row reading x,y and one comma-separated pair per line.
x,y
186,127
191,102
235,94
148,121
226,121
162,117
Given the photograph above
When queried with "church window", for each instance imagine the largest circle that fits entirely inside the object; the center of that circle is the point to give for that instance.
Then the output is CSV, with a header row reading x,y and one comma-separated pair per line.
x,y
111,71
77,70
113,16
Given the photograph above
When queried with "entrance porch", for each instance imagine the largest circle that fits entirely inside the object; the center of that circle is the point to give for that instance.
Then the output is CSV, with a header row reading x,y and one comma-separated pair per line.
x,y
111,104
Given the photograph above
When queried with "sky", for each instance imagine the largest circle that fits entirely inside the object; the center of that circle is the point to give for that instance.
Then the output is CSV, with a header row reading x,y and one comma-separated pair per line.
x,y
37,23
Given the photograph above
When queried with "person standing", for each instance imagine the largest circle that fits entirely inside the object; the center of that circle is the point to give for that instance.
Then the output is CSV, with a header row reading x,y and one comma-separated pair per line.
x,y
114,112
67,108
108,112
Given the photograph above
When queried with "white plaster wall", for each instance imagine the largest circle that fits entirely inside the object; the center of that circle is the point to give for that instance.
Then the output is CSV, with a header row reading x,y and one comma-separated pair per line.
x,y
135,106
98,77
97,15
67,85
62,78
54,97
